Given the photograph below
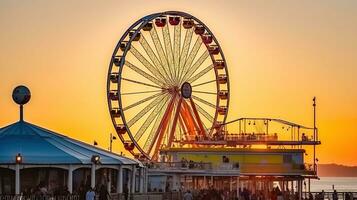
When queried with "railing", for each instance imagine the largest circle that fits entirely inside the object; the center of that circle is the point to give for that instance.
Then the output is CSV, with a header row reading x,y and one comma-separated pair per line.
x,y
114,196
39,197
140,196
329,195
247,139
251,137
180,165
284,168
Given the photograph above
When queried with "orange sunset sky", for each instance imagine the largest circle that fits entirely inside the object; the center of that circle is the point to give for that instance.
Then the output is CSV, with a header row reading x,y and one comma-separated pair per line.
x,y
279,53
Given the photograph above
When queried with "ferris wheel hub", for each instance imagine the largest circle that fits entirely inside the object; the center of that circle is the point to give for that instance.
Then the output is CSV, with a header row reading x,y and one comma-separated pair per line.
x,y
186,90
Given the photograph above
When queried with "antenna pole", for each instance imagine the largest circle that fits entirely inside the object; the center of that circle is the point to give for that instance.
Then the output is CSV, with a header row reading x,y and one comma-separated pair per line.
x,y
21,113
315,135
314,105
111,141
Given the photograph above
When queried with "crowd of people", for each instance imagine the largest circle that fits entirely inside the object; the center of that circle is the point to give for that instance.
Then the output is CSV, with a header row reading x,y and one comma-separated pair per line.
x,y
83,193
41,190
245,194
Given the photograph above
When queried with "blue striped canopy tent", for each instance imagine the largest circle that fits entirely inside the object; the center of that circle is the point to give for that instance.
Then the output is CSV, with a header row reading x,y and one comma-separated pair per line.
x,y
44,151
41,146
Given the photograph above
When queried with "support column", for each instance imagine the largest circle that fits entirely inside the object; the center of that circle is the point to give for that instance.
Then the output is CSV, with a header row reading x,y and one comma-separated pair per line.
x,y
212,182
17,179
204,182
292,187
237,186
109,180
133,172
230,184
299,182
147,181
141,186
92,176
70,179
120,180
175,182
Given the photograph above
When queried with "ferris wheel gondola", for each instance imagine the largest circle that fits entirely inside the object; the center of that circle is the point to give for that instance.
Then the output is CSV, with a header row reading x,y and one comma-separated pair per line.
x,y
167,82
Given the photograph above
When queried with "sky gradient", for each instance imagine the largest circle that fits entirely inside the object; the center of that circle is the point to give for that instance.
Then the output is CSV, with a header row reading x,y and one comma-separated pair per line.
x,y
280,54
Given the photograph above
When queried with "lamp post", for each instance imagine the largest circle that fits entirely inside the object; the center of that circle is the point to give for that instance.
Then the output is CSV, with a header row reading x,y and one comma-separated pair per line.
x,y
111,142
95,160
18,161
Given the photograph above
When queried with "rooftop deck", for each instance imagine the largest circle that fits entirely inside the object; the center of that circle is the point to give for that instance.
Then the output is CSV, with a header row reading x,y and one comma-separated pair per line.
x,y
247,139
227,169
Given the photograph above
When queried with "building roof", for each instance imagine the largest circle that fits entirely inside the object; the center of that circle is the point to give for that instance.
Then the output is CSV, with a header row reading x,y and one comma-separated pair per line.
x,y
41,146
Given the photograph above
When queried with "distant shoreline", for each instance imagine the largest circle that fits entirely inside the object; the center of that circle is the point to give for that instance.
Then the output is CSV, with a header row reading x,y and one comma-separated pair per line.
x,y
336,170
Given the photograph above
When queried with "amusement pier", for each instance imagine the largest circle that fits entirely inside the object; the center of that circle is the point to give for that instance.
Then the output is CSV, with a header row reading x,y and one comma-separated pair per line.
x,y
168,96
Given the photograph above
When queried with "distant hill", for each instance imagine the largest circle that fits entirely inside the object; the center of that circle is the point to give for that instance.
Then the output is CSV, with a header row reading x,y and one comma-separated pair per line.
x,y
335,170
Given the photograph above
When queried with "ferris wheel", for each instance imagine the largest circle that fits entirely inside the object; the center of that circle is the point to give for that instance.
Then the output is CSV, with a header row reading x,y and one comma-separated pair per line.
x,y
167,83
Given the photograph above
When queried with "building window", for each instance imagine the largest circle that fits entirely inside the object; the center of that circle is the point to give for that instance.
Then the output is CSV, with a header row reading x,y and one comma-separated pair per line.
x,y
287,158
225,159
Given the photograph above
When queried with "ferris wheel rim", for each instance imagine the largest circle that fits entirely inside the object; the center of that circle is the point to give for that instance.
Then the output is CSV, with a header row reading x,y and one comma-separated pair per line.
x,y
142,22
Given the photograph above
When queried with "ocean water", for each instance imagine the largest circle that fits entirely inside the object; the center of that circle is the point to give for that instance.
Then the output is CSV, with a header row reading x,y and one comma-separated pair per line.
x,y
341,184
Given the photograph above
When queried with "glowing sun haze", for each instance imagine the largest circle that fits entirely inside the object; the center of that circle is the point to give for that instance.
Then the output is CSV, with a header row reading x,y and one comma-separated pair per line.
x,y
280,54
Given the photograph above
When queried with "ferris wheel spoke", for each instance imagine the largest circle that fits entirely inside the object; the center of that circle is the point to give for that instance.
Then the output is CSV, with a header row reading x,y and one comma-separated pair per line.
x,y
149,140
204,83
159,133
144,74
132,93
168,49
203,92
176,49
158,46
203,101
200,74
141,83
204,113
147,64
191,57
195,66
186,47
144,111
142,101
173,127
150,52
149,120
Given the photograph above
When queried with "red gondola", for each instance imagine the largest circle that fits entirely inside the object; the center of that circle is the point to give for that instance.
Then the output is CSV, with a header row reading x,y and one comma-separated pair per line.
x,y
213,49
222,110
223,94
137,36
117,60
148,26
123,46
121,129
188,23
222,79
114,77
199,29
129,146
207,39
160,22
174,20
115,112
113,95
219,64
